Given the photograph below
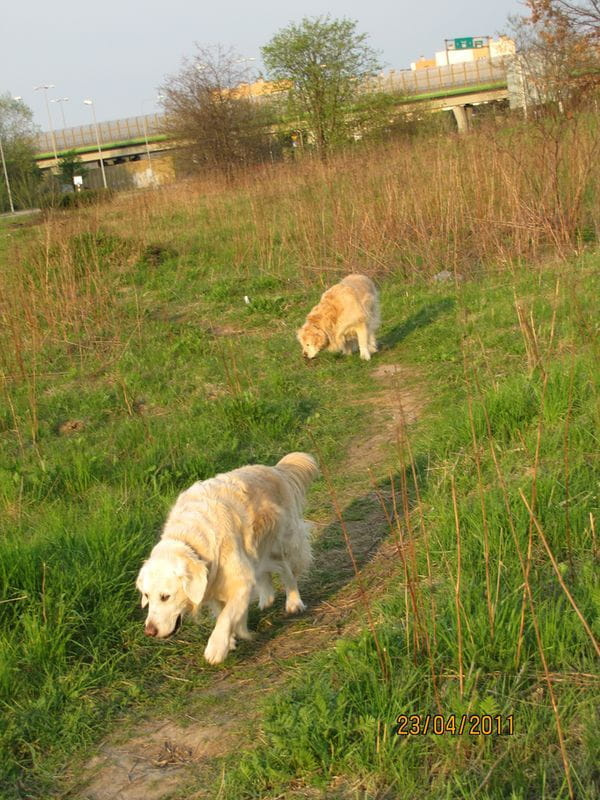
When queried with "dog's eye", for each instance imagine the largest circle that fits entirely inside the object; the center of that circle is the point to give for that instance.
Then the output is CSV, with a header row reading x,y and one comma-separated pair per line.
x,y
164,597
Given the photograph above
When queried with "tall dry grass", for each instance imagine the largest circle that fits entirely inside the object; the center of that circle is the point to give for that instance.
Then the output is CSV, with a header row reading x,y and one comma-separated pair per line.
x,y
494,197
500,196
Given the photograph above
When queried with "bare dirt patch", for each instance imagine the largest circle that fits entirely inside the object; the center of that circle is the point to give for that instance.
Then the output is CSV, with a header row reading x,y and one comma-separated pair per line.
x,y
164,755
152,764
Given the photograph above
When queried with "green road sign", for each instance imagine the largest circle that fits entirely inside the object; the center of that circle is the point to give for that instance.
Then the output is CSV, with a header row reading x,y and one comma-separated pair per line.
x,y
464,43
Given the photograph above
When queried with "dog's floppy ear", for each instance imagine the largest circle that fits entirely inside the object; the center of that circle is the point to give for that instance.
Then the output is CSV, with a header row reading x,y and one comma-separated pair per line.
x,y
138,586
194,580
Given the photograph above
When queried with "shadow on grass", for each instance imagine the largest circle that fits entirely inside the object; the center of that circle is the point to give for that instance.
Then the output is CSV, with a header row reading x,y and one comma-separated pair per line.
x,y
425,316
366,524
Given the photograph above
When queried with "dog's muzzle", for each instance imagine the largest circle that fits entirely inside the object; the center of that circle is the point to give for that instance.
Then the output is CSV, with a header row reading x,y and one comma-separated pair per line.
x,y
150,629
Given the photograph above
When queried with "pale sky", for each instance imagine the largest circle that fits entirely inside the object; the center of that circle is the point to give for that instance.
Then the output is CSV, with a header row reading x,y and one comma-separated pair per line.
x,y
117,52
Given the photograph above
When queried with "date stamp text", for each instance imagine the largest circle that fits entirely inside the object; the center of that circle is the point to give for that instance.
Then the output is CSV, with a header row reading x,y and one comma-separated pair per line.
x,y
454,724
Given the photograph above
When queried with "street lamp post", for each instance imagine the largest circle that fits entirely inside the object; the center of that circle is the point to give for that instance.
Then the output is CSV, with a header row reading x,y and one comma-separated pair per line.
x,y
45,87
90,103
62,100
148,100
10,200
5,170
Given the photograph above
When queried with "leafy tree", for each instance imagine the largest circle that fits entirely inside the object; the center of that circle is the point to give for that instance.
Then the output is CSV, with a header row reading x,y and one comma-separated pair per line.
x,y
560,49
325,62
582,18
69,166
17,132
218,124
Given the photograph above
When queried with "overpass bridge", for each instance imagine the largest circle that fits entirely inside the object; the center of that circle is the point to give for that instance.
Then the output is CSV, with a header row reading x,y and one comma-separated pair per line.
x,y
120,140
455,87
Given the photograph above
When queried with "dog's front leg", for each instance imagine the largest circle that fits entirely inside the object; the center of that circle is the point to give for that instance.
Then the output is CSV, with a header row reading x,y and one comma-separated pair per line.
x,y
230,620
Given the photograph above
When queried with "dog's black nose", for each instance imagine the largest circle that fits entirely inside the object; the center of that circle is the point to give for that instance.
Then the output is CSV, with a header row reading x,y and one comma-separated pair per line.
x,y
150,629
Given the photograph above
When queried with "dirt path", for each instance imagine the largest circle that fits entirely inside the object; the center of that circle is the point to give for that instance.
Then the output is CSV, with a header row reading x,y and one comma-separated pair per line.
x,y
165,756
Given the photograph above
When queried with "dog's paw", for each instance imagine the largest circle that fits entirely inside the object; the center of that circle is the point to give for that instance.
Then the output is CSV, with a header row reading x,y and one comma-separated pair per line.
x,y
365,355
294,605
266,600
216,650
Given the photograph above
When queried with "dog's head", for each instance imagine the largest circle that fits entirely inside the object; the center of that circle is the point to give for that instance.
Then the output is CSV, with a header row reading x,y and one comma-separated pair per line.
x,y
171,583
312,339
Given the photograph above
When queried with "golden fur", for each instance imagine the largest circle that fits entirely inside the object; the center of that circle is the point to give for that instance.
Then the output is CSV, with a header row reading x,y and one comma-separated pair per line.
x,y
346,313
222,540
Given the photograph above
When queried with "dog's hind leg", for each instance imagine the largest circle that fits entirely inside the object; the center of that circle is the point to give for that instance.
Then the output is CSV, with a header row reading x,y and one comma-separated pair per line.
x,y
216,607
241,629
372,342
363,341
266,593
293,601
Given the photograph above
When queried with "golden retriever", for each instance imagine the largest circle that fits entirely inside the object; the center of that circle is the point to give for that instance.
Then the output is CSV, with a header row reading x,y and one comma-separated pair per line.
x,y
222,540
346,312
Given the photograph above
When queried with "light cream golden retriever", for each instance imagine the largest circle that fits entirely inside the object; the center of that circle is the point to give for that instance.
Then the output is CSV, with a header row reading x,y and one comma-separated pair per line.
x,y
347,312
222,541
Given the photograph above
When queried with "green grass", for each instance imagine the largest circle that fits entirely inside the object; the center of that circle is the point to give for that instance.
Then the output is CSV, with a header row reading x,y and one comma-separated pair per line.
x,y
334,726
180,398
147,344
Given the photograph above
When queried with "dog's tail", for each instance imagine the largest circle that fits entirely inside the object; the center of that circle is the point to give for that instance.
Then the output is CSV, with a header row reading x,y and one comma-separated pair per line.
x,y
301,467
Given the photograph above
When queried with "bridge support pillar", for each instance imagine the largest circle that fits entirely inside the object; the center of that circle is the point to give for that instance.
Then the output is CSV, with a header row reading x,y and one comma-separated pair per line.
x,y
462,115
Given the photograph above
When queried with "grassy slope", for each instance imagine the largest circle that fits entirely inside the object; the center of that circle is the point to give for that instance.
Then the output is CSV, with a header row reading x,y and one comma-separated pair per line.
x,y
173,401
333,730
143,344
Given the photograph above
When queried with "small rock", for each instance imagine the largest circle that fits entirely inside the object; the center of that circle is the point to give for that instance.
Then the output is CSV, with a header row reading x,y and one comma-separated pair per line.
x,y
70,426
446,275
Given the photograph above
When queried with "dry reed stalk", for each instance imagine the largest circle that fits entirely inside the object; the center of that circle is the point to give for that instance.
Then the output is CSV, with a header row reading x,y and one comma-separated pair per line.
x,y
123,386
461,679
527,327
566,463
486,535
14,415
556,568
43,593
531,604
381,499
409,576
394,526
536,458
408,587
536,461
405,448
